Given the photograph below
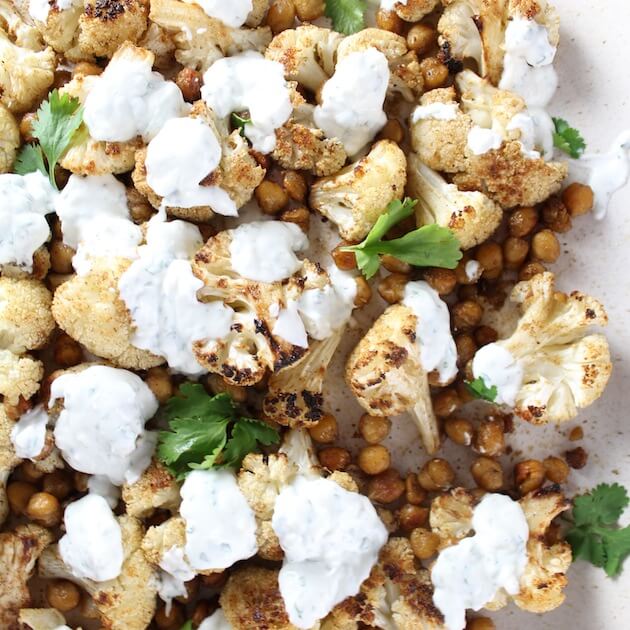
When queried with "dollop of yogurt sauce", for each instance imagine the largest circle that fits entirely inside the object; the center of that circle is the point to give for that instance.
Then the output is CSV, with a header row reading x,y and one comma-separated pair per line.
x,y
184,152
220,525
174,573
249,82
160,292
28,435
25,200
92,545
469,574
481,140
95,220
39,9
103,487
437,346
499,368
217,621
289,325
100,430
233,13
435,111
130,100
353,98
473,270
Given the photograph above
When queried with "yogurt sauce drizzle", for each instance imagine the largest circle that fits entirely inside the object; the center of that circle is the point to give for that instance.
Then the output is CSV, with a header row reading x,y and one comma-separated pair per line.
x,y
249,82
26,200
217,621
469,574
39,9
233,13
220,525
437,346
184,152
481,140
92,545
175,572
435,111
100,429
497,367
352,100
28,435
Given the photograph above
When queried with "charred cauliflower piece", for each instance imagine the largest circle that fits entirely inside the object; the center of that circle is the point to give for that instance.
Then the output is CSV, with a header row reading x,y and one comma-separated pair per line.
x,y
20,376
358,195
8,460
9,139
22,32
160,538
156,489
414,10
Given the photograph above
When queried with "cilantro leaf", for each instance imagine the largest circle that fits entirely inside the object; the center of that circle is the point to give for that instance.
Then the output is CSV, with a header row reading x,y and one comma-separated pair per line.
x,y
207,432
479,389
348,16
187,626
568,139
595,535
29,160
428,246
239,122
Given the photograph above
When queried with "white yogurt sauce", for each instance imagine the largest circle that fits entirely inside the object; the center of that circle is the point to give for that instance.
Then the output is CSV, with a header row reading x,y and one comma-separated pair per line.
x,y
264,251
481,140
435,111
352,100
290,327
473,270
233,13
103,487
249,82
437,346
25,200
220,525
469,574
95,220
184,152
498,367
331,540
39,9
388,5
28,435
175,572
217,621
130,100
92,545
100,430
160,292
537,129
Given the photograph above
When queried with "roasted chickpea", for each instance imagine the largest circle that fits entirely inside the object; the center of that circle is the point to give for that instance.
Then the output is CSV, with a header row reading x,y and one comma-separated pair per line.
x,y
58,483
309,10
160,383
44,509
556,216
202,610
466,348
300,216
374,459
62,595
364,292
392,288
487,473
386,487
515,252
334,458
29,472
326,430
545,246
529,270
192,590
19,493
577,458
80,481
217,385
189,82
412,516
556,469
295,185
485,335
389,21
436,474
61,78
346,261
393,265
171,620
86,69
66,351
414,492
61,257
271,197
424,543
215,580
281,16
490,256
466,314
522,222
459,430
139,207
443,281
489,438
435,73
393,131
446,402
579,199
374,429
468,274
480,623
529,475
421,37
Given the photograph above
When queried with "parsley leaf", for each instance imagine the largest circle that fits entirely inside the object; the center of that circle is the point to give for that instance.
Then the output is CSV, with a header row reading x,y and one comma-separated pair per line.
x,y
428,246
568,139
187,626
207,432
595,535
479,389
239,122
347,15
58,119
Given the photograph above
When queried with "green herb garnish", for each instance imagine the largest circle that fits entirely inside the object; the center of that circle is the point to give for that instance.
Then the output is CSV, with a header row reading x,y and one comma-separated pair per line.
x,y
568,139
348,16
480,390
239,122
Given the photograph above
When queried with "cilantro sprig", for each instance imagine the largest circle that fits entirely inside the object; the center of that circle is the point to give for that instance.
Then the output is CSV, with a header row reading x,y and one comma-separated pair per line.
x,y
55,126
187,626
239,122
208,432
348,16
428,246
568,139
480,390
595,535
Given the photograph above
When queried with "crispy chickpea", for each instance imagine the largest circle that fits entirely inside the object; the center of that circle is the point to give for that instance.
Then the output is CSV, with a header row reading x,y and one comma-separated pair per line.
x,y
466,348
424,543
281,16
529,270
374,459
412,516
443,281
480,623
389,21
485,335
29,472
386,487
393,131
61,257
334,458
171,620
300,216
217,385
489,438
326,430
203,609
271,197
459,430
346,261
490,257
19,493
577,458
466,314
159,381
446,402
394,265
414,492
309,10
529,475
364,292
487,473
515,252
556,216
58,483
420,38
579,199
295,185
556,469
522,222
392,288
215,580
374,429
61,78
189,82
66,351
435,73
86,69
545,246
436,474
62,595
80,481
44,509
139,207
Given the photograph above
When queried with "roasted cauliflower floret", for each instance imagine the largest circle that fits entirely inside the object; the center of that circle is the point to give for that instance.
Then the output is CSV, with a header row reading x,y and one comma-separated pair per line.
x,y
21,32
19,376
414,10
41,618
9,139
358,195
160,538
471,216
8,460
156,489
90,309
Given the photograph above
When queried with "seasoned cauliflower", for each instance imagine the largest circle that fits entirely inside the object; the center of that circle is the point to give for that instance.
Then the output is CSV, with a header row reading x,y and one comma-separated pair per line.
x,y
8,460
41,618
9,139
358,195
156,489
20,376
471,216
21,32
160,538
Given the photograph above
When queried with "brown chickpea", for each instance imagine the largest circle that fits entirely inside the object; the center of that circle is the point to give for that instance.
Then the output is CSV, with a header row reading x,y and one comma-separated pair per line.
x,y
271,197
485,335
515,252
139,207
577,458
19,493
529,475
62,595
215,580
487,473
61,257
466,348
424,543
446,402
435,73
202,610
386,487
522,222
281,16
61,77
579,199
86,69
29,472
364,292
334,458
414,492
172,620
44,509
192,590
420,38
58,483
374,459
545,246
300,216
556,216
556,469
490,256
459,430
389,21
393,131
436,474
463,277
295,185
412,516
66,351
529,270
160,383
489,438
466,314
443,281
392,288
393,265
217,385
80,481
346,261
326,430
374,429
87,607
189,82
309,10
480,623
